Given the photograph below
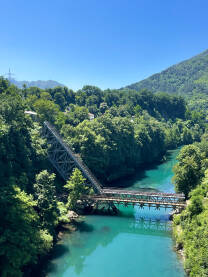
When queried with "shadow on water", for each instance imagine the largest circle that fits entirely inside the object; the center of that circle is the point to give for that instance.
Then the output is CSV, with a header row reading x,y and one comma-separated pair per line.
x,y
60,250
141,173
81,226
45,266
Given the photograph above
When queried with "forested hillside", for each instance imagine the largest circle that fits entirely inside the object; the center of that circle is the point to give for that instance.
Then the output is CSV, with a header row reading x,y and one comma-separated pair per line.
x,y
31,209
187,77
129,129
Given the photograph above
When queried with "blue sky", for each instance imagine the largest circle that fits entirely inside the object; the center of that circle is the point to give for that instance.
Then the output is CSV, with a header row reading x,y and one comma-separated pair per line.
x,y
107,43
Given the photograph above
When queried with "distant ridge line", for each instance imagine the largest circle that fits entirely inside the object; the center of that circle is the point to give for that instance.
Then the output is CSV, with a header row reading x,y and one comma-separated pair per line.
x,y
39,83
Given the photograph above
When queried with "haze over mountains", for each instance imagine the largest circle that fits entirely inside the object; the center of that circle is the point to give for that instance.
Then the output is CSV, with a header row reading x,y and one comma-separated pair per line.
x,y
40,83
187,77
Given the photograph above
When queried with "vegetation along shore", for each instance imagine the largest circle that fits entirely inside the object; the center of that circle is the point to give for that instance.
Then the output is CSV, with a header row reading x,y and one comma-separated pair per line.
x,y
114,132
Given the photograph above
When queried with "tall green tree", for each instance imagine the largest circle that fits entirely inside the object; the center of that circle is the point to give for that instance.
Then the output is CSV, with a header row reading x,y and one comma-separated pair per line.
x,y
21,239
76,187
45,195
188,171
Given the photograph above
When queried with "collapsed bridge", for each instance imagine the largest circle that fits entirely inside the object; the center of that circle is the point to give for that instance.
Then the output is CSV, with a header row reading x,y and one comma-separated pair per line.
x,y
64,160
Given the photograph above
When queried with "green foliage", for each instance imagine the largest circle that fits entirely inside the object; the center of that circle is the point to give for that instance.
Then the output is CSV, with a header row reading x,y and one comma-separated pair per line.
x,y
37,142
130,129
196,205
45,195
76,188
76,115
113,147
21,238
16,151
22,154
188,171
190,76
161,105
190,230
198,102
98,102
47,110
63,211
4,84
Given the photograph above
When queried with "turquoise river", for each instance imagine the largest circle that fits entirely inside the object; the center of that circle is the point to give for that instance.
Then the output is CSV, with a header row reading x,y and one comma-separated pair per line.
x,y
136,243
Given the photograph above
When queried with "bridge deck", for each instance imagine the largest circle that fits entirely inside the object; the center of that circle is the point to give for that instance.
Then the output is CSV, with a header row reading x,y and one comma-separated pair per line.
x,y
139,192
141,202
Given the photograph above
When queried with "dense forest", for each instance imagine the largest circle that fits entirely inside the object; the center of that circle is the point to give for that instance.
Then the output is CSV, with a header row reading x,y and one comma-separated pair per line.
x,y
187,77
190,227
31,199
129,129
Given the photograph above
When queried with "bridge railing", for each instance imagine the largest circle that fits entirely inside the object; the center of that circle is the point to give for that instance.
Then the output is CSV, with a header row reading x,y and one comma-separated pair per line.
x,y
139,192
145,198
151,196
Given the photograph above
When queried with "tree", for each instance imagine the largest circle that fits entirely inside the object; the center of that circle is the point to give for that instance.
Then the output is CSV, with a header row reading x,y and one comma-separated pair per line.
x,y
103,107
196,205
190,230
21,238
47,110
76,188
77,114
45,195
59,99
188,170
4,84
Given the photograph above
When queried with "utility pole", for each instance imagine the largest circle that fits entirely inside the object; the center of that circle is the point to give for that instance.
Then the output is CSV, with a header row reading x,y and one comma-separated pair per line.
x,y
9,75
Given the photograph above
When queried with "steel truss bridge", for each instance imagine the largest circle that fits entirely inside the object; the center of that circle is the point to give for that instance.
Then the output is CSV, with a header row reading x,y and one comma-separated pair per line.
x,y
64,160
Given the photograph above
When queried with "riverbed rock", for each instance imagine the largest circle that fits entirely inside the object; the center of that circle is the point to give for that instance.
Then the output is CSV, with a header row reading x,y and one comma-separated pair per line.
x,y
72,215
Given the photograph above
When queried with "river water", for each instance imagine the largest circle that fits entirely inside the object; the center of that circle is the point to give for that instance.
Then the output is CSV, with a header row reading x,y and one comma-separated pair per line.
x,y
135,243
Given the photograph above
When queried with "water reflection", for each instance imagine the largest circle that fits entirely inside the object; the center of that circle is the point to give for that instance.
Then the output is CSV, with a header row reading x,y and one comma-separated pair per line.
x,y
102,231
132,243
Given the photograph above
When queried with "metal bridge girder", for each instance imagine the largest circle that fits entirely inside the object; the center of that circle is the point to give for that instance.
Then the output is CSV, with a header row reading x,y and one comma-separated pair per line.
x,y
64,160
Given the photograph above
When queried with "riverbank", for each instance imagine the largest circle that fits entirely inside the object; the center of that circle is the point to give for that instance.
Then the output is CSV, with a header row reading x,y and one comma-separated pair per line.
x,y
131,243
40,268
191,236
178,243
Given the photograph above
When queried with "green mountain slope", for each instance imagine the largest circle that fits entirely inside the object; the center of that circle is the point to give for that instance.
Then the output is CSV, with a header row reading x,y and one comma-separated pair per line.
x,y
186,77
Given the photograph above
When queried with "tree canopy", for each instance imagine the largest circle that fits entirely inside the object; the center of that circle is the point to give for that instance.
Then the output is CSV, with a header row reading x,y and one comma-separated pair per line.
x,y
130,129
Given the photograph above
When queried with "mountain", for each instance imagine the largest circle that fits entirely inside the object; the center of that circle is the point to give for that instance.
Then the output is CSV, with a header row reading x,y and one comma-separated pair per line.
x,y
187,77
39,83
